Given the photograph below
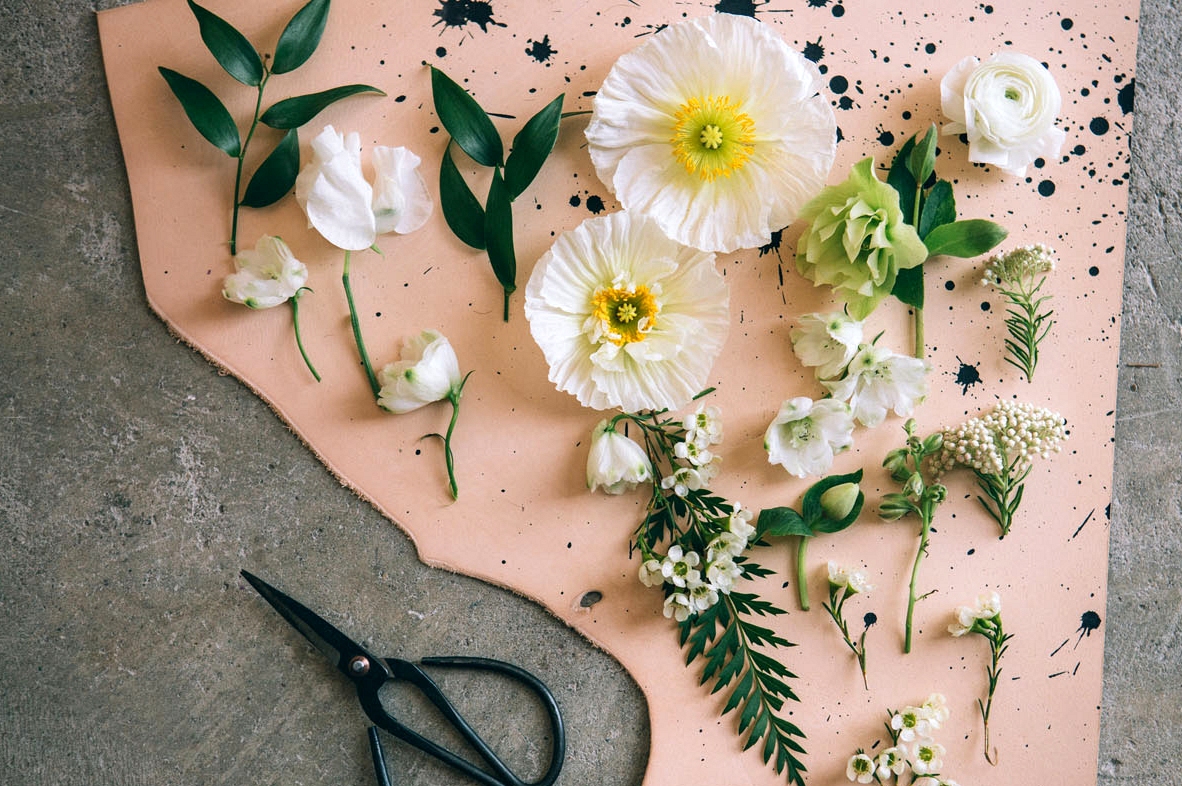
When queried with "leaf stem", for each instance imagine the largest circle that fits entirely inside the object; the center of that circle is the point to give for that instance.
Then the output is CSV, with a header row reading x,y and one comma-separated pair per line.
x,y
924,532
369,374
920,349
254,123
295,318
802,586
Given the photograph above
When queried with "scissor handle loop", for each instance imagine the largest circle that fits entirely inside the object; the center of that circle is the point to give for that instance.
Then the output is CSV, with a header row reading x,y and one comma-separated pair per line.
x,y
405,670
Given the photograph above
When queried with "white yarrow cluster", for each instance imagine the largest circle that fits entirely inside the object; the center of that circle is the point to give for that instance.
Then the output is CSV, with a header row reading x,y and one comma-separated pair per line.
x,y
913,748
1019,265
1003,441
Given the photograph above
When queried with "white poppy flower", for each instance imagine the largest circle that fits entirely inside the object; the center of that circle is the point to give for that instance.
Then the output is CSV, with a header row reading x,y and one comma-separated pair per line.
x,y
427,371
1006,106
879,380
266,276
805,435
345,207
826,341
625,316
615,463
716,129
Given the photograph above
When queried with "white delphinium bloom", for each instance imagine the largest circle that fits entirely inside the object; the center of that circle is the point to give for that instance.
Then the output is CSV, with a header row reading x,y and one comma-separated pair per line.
x,y
805,435
1007,107
827,342
678,606
892,761
615,463
716,129
927,757
345,207
723,573
912,723
879,380
625,316
267,276
860,768
427,371
651,574
680,567
704,427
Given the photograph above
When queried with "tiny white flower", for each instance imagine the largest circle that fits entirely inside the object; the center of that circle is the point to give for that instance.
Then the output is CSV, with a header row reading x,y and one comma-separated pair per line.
x,y
704,426
702,596
927,757
723,573
427,371
691,452
805,435
1007,107
678,606
937,707
739,522
826,341
927,780
892,761
838,574
879,380
725,544
683,481
913,724
267,276
650,573
680,568
615,463
860,768
988,605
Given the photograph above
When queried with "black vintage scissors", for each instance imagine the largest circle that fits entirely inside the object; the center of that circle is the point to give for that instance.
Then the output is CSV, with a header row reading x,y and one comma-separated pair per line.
x,y
369,673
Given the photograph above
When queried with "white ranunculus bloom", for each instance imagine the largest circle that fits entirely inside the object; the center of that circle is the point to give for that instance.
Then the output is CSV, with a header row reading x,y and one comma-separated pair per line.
x,y
879,380
267,275
343,205
625,316
427,371
805,435
615,463
1006,106
716,129
827,342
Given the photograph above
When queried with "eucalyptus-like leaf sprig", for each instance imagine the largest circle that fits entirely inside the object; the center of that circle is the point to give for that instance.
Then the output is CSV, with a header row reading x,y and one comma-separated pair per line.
x,y
489,227
984,619
693,545
920,496
276,175
1019,275
928,205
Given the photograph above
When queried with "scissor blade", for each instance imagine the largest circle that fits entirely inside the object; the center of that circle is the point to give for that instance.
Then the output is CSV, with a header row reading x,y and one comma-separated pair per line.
x,y
335,646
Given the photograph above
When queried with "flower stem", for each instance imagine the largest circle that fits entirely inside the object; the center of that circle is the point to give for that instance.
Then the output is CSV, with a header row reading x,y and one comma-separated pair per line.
x,y
505,312
295,318
920,349
373,379
254,123
802,586
449,458
924,531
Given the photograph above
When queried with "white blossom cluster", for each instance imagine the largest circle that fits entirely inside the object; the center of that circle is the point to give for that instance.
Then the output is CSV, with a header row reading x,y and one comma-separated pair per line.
x,y
1015,267
698,464
913,748
1003,441
986,609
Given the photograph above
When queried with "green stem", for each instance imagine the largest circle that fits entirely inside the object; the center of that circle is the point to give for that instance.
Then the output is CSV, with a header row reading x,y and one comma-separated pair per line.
x,y
449,459
505,313
925,529
295,318
373,379
802,584
920,349
258,106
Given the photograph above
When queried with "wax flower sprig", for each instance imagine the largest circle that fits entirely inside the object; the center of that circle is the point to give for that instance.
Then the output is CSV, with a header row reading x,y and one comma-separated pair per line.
x,y
489,227
984,619
276,175
913,748
919,497
1019,275
844,583
693,546
999,447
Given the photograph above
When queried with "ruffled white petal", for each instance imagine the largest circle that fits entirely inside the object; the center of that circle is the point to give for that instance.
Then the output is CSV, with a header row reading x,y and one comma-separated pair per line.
x,y
401,202
335,194
427,371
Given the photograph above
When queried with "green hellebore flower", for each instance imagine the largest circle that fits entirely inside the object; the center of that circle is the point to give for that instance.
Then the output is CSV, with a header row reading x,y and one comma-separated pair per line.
x,y
837,502
858,240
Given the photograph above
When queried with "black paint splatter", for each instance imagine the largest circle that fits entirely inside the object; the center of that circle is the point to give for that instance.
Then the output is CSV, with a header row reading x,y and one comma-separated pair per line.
x,y
967,376
595,204
886,138
818,3
575,201
839,84
870,618
541,50
838,10
1046,188
772,245
1098,126
458,13
1089,622
813,50
738,7
1125,97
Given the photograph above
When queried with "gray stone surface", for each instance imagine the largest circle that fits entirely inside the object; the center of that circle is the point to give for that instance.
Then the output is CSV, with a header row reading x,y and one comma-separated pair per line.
x,y
135,481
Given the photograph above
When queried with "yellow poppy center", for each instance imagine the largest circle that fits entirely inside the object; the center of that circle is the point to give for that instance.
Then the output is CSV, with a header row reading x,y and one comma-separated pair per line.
x,y
712,137
624,315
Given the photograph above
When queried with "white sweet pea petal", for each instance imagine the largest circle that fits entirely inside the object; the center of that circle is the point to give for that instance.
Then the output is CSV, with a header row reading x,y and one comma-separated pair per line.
x,y
400,200
266,276
879,380
805,435
615,463
826,341
716,129
427,371
1006,107
334,194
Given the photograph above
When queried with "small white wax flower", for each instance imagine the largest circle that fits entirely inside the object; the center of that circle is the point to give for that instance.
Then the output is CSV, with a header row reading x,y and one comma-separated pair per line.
x,y
963,619
689,451
805,435
678,606
988,605
723,573
702,595
852,579
927,757
725,545
860,768
267,276
839,575
345,207
827,342
739,521
427,371
892,761
704,427
937,707
680,568
615,463
683,481
913,724
650,573
879,380
1007,107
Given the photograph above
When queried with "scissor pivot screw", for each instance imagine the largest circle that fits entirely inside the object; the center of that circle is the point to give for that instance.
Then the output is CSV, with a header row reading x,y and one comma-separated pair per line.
x,y
359,666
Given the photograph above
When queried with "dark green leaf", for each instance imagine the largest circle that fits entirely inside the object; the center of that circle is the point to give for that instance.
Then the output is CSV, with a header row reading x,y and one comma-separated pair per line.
x,y
780,522
968,238
276,176
922,161
909,286
300,38
296,111
461,208
229,47
938,209
498,233
208,114
531,146
467,123
901,179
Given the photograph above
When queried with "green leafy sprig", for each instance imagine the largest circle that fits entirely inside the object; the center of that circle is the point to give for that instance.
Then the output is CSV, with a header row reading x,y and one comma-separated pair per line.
x,y
812,520
489,227
276,175
1019,276
929,205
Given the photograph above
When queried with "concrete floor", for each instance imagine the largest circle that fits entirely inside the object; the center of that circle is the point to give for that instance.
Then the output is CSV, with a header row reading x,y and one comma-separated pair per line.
x,y
134,479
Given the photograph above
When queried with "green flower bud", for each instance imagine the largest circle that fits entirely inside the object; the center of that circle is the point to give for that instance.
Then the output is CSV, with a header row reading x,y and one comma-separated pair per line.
x,y
933,443
837,502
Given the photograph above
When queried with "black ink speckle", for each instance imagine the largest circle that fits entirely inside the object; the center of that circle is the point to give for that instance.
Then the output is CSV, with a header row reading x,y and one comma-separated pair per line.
x,y
839,10
1066,24
575,201
1093,271
1046,188
773,245
813,50
839,84
967,376
869,619
440,51
595,204
589,599
457,13
737,7
1125,97
930,49
1098,126
886,139
818,3
950,285
985,306
1088,622
541,50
